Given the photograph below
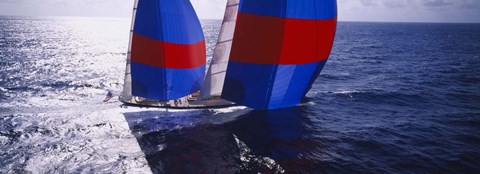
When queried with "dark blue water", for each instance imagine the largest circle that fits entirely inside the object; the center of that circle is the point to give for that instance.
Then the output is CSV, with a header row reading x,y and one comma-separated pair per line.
x,y
393,98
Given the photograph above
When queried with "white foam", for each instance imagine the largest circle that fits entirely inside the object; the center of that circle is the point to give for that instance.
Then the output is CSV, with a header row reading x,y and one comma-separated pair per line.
x,y
97,141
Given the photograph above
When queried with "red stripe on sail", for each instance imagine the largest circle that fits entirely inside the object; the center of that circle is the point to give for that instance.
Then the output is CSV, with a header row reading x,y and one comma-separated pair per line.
x,y
152,52
274,40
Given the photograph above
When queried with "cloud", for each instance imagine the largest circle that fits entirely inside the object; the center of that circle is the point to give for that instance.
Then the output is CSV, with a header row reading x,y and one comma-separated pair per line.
x,y
437,3
369,2
470,4
209,9
349,10
395,3
102,8
410,10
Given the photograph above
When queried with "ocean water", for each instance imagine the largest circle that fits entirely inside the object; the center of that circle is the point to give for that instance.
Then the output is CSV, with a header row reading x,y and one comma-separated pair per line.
x,y
393,98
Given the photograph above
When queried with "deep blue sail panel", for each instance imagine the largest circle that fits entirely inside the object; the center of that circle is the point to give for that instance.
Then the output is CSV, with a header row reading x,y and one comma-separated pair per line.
x,y
298,9
286,84
173,21
173,84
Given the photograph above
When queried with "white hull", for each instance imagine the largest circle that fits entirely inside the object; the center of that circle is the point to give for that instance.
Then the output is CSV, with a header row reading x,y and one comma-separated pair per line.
x,y
182,103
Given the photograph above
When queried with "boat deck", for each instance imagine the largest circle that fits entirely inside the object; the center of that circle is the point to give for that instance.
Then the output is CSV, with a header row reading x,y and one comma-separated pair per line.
x,y
182,103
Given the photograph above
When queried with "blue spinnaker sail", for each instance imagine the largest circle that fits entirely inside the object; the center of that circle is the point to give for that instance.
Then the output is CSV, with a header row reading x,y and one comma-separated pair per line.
x,y
168,53
279,49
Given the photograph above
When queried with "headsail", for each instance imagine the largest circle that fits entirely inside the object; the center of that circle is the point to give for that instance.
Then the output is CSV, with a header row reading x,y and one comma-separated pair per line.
x,y
127,83
278,51
216,73
167,50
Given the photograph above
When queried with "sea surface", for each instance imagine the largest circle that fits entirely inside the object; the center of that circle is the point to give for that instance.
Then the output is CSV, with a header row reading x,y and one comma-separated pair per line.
x,y
393,98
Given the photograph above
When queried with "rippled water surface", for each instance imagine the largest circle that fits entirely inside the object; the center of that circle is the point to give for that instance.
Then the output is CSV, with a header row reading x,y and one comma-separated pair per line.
x,y
393,98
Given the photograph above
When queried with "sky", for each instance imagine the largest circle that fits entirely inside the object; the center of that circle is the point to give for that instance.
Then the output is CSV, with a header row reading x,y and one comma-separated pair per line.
x,y
348,10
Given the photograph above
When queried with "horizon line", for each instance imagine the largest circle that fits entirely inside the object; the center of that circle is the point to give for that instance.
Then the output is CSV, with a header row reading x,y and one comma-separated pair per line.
x,y
360,21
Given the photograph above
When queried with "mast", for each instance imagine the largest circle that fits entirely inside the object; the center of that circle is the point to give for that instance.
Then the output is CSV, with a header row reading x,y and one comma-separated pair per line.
x,y
215,78
127,85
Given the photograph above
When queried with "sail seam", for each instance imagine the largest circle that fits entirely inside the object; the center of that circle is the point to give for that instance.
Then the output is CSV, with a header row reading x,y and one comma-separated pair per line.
x,y
219,72
225,41
232,5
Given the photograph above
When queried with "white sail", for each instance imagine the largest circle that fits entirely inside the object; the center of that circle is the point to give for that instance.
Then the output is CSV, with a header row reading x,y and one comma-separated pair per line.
x,y
215,78
127,85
